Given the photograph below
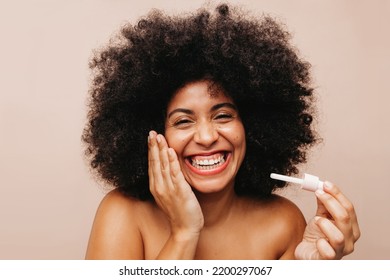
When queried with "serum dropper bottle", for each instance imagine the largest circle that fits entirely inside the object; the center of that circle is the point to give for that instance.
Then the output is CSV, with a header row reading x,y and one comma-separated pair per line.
x,y
309,182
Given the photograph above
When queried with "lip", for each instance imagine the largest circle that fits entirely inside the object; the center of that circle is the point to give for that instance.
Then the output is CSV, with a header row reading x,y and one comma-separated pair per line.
x,y
210,172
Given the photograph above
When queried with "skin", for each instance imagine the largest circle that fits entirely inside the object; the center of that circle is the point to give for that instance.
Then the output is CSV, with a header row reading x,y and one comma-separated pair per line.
x,y
196,213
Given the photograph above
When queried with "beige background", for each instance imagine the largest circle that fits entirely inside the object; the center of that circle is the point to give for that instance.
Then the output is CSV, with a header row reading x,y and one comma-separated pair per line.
x,y
47,197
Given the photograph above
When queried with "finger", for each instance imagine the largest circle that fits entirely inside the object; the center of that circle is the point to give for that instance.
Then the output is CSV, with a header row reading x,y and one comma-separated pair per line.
x,y
176,173
154,164
164,161
337,212
348,206
156,182
333,237
342,221
321,210
325,250
150,173
307,251
341,211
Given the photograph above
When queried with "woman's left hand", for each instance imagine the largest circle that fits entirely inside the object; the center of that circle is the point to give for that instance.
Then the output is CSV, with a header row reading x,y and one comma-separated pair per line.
x,y
332,233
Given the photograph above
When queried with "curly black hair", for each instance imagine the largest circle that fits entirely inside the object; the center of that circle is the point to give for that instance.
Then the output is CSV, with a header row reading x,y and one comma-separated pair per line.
x,y
251,58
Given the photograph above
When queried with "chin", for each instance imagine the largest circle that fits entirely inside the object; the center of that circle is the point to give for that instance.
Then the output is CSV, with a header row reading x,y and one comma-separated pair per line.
x,y
210,186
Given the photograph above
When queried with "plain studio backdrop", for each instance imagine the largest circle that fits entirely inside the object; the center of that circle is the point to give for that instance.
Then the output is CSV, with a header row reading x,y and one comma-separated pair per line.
x,y
48,197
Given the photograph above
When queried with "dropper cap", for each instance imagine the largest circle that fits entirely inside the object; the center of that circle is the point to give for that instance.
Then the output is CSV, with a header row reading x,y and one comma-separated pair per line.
x,y
309,182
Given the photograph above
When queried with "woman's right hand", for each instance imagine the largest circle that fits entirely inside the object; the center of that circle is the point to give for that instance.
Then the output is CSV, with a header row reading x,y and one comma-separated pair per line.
x,y
171,191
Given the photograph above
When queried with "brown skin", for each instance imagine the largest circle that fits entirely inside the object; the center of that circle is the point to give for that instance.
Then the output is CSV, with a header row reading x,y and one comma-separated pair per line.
x,y
250,230
196,213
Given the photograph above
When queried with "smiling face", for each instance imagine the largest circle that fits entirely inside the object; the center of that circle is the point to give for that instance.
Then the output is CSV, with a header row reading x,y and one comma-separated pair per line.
x,y
208,136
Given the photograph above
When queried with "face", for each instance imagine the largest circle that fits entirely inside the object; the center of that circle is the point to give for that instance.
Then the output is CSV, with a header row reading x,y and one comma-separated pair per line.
x,y
208,136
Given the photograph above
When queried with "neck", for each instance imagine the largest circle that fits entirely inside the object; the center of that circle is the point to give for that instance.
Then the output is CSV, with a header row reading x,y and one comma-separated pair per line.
x,y
216,207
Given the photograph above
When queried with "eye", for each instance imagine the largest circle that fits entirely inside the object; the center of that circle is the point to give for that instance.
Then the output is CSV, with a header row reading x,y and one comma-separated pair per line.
x,y
223,117
181,123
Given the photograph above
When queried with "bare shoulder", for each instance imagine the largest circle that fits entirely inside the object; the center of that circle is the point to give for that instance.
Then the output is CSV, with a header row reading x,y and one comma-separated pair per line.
x,y
283,220
114,201
280,207
286,209
292,226
115,232
287,214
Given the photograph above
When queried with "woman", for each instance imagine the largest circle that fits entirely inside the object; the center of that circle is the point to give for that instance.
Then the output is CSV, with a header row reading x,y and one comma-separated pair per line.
x,y
224,100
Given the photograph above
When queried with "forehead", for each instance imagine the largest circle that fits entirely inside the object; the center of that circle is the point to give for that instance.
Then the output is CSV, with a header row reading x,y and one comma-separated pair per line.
x,y
198,93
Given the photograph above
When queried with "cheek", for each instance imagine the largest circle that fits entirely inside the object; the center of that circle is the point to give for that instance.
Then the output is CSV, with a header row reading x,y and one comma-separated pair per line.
x,y
235,133
240,140
176,140
170,137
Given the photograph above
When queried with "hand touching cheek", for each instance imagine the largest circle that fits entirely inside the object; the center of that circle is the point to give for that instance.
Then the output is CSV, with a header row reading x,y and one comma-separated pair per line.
x,y
170,190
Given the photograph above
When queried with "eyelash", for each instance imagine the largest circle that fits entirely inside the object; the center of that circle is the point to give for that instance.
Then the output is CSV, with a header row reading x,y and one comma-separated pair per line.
x,y
223,116
181,122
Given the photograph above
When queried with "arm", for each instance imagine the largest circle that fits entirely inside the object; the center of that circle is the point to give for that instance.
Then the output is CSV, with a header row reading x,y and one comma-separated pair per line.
x,y
115,233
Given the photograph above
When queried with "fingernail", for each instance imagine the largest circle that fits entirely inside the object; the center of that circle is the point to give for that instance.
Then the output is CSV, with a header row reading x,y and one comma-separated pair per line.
x,y
158,138
319,192
150,135
328,185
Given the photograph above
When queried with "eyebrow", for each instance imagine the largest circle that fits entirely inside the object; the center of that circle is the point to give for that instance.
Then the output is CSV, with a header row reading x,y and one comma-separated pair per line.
x,y
214,108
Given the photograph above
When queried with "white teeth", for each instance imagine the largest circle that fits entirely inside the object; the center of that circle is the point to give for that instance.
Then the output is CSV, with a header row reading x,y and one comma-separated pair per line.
x,y
207,164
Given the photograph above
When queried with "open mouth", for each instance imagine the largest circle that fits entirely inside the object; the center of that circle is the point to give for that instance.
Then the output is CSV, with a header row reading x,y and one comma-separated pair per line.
x,y
208,164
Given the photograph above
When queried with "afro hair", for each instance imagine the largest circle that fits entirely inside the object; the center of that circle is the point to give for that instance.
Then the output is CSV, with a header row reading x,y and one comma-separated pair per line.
x,y
250,58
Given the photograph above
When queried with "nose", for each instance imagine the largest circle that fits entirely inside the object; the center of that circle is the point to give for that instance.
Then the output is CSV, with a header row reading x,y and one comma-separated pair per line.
x,y
206,134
